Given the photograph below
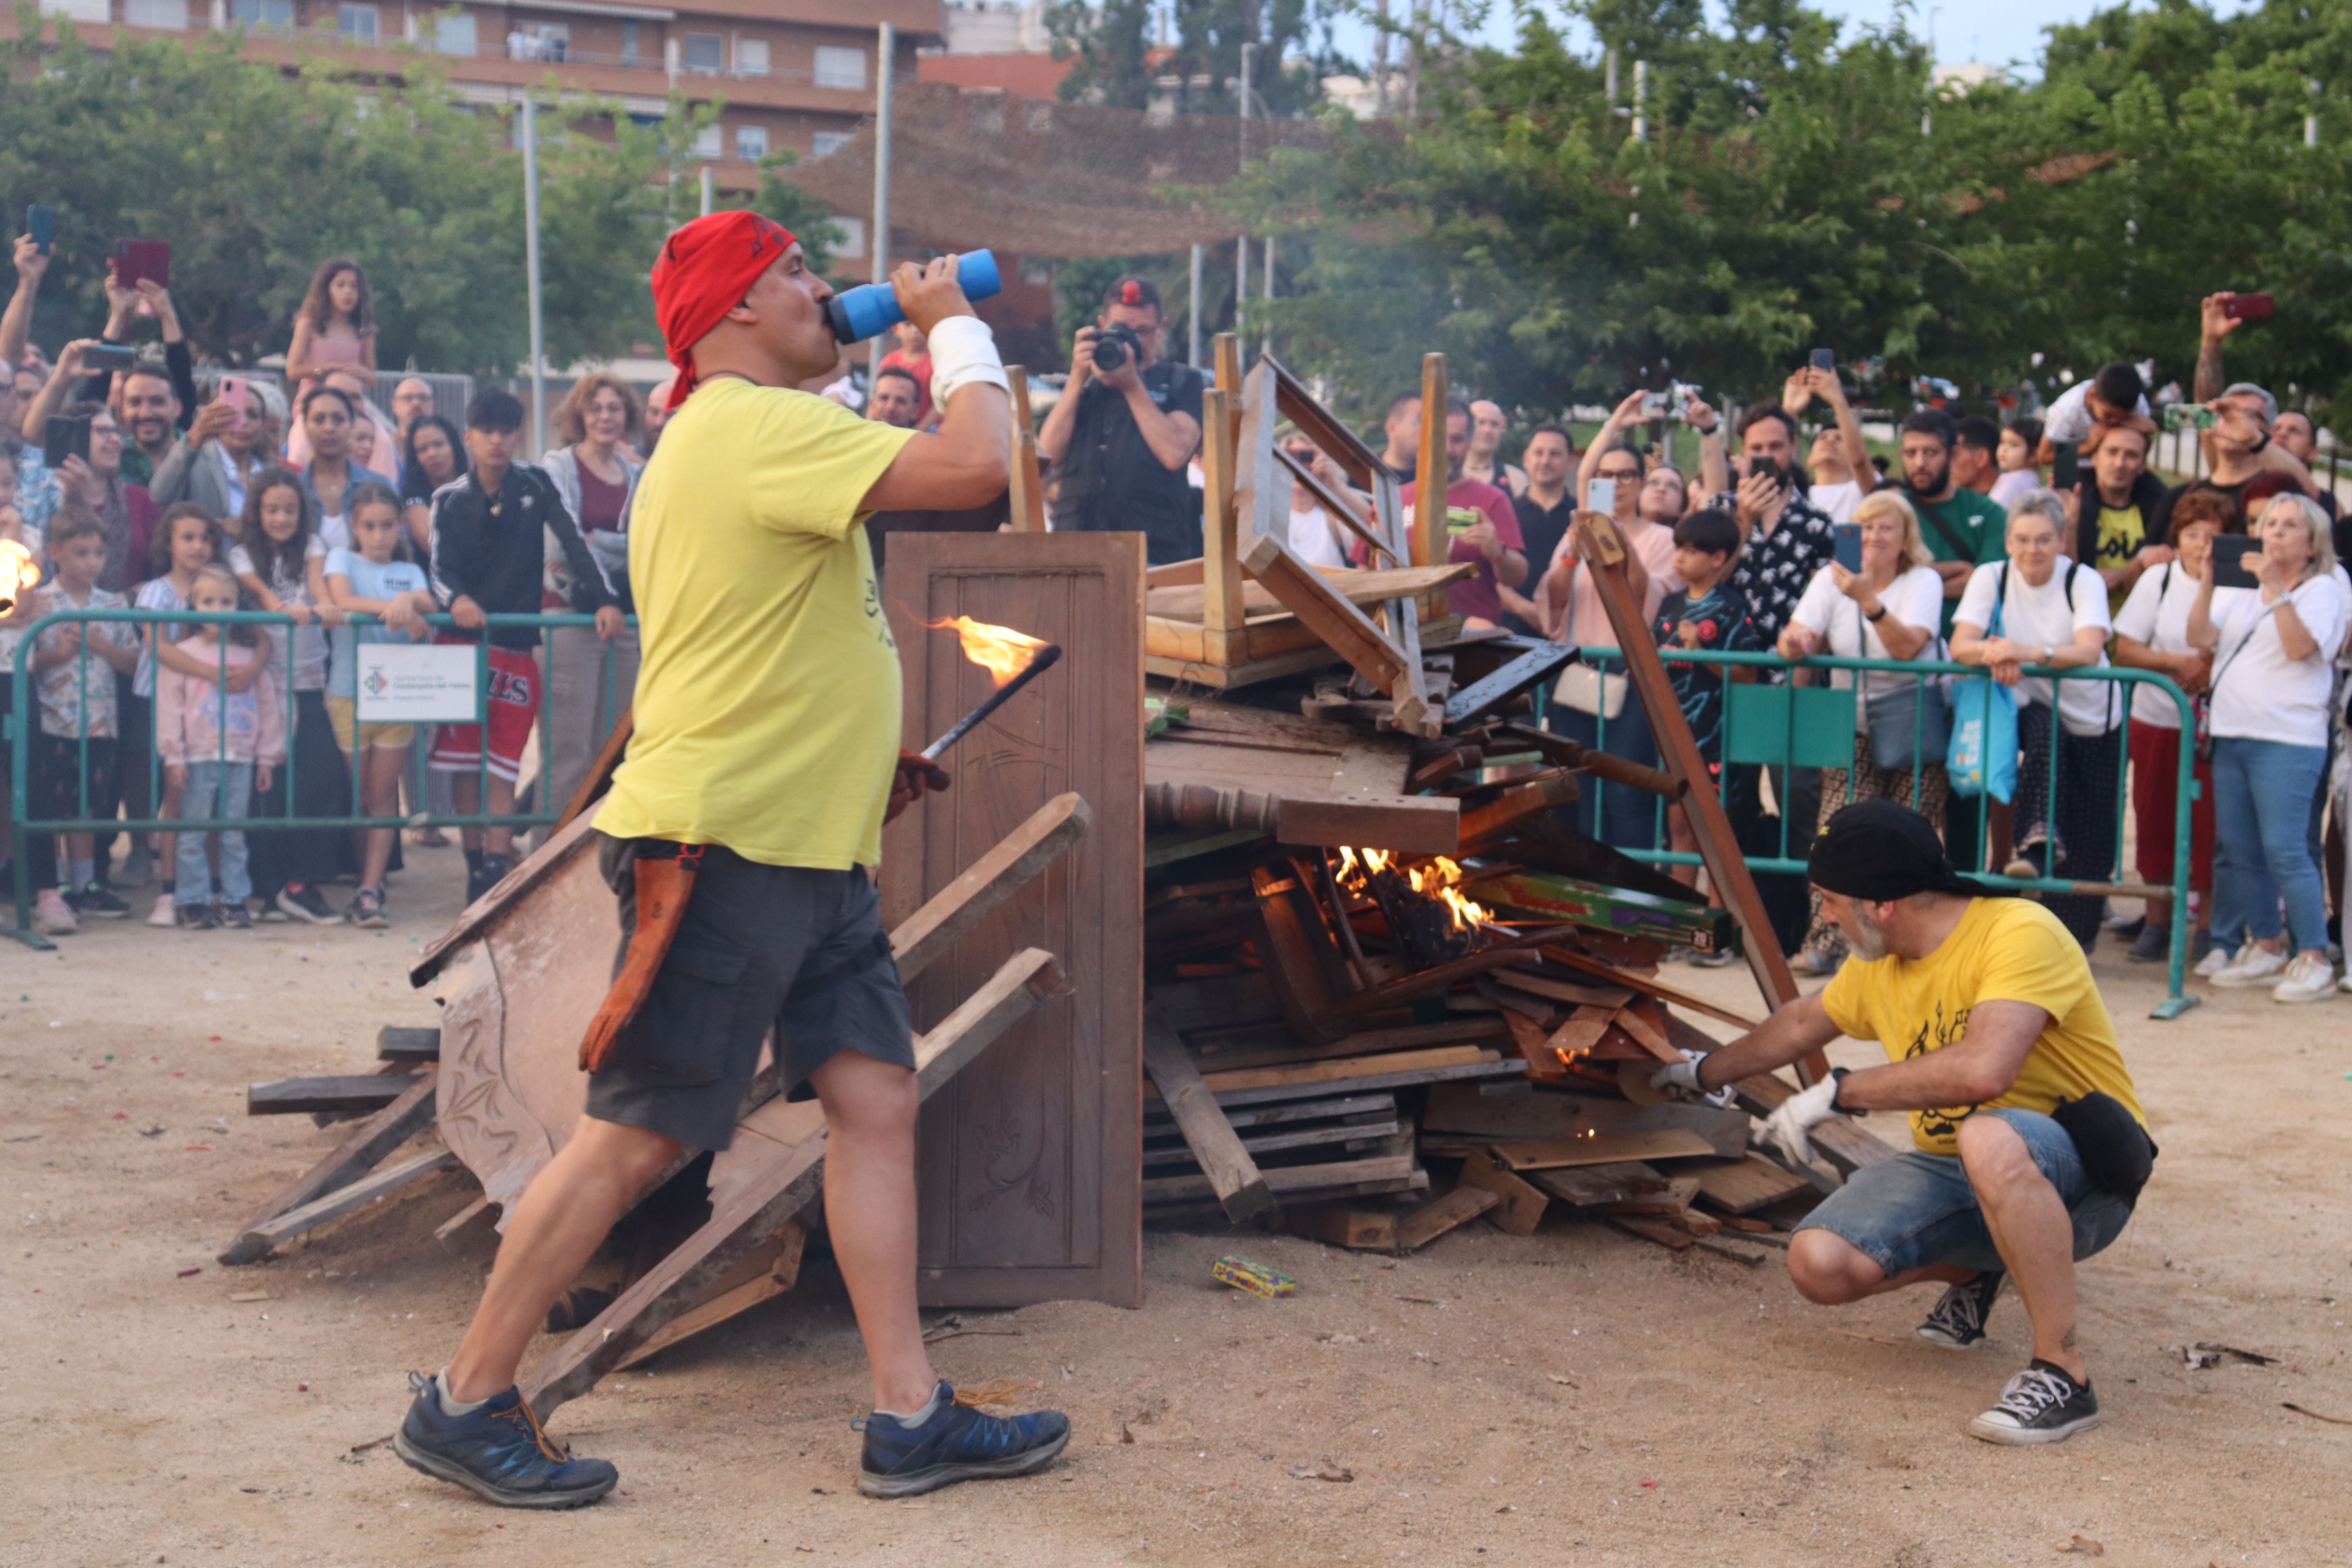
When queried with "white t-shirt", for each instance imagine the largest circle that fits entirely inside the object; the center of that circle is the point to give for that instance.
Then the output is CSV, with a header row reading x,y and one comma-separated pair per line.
x,y
1916,598
2259,693
155,594
294,588
2069,418
2014,485
1837,502
2037,616
1313,539
2157,614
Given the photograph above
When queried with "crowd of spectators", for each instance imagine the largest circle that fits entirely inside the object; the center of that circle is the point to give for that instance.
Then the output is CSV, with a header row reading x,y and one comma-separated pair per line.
x,y
125,485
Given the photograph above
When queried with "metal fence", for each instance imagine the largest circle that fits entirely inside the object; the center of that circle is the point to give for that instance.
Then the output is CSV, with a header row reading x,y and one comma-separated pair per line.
x,y
23,722
1784,726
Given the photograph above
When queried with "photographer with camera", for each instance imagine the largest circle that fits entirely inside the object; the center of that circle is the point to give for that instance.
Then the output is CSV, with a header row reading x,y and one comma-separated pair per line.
x,y
1124,428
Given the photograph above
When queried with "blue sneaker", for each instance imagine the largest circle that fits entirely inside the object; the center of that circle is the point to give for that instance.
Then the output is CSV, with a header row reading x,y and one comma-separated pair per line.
x,y
500,1452
957,1444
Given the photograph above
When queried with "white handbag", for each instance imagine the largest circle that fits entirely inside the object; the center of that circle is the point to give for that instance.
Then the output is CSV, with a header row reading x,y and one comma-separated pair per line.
x,y
1587,689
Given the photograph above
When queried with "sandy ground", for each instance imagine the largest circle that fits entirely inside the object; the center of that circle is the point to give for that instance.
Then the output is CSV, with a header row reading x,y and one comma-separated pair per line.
x,y
1572,1397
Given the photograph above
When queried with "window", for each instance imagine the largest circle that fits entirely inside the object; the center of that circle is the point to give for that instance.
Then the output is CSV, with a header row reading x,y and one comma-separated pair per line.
x,y
355,23
751,57
853,235
827,143
839,67
82,10
708,142
449,35
750,143
702,53
629,42
1037,271
272,16
171,14
540,41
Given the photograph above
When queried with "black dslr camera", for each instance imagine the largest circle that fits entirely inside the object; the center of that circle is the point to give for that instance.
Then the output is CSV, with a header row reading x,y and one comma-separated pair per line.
x,y
1115,345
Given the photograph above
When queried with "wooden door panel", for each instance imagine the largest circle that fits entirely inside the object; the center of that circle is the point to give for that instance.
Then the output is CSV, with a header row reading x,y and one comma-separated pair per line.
x,y
1029,1158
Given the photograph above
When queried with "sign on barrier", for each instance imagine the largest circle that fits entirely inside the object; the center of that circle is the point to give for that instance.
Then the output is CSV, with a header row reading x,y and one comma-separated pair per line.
x,y
419,683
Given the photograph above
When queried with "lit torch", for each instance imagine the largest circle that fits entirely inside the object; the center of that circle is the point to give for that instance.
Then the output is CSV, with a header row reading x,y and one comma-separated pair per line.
x,y
18,574
1000,651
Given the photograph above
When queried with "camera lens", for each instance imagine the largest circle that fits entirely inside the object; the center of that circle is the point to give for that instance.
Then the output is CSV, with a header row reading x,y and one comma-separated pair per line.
x,y
1111,354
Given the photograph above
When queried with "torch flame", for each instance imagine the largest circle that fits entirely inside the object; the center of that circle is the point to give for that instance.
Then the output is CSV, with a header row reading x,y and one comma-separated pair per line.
x,y
1000,650
18,574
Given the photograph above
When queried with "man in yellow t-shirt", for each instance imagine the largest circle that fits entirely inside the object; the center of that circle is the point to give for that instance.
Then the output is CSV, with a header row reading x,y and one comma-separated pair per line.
x,y
2030,1146
765,757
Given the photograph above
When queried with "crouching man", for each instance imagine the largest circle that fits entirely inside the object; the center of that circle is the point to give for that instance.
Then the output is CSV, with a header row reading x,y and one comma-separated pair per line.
x,y
2031,1147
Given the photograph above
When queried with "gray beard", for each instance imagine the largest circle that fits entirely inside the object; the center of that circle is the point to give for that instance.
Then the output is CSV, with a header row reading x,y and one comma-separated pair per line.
x,y
1867,939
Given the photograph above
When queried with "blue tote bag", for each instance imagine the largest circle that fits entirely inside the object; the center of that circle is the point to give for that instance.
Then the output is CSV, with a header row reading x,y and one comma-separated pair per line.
x,y
1982,755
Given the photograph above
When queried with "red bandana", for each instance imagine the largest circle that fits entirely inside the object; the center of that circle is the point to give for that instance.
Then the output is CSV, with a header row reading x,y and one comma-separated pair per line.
x,y
703,272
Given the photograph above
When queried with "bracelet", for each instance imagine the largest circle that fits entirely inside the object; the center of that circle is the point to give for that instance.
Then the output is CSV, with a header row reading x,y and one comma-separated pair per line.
x,y
1876,616
1837,1079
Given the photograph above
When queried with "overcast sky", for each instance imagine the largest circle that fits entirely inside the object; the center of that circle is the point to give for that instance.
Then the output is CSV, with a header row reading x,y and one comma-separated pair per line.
x,y
1999,31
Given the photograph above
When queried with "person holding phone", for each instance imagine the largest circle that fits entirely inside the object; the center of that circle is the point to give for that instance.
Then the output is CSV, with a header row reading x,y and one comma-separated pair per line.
x,y
155,403
1493,543
2274,648
224,447
1887,605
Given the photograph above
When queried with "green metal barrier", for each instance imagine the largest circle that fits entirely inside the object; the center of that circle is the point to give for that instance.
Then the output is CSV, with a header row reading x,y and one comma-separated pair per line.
x,y
23,722
1783,725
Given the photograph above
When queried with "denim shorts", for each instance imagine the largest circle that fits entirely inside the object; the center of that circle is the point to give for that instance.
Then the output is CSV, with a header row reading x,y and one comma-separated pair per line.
x,y
1919,1209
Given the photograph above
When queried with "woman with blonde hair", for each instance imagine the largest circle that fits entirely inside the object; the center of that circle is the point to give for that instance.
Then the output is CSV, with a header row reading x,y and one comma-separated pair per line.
x,y
595,471
2274,647
1887,610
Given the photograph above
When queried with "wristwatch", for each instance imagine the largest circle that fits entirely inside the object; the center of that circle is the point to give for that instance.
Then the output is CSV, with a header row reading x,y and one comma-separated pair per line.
x,y
2049,652
1837,1077
1876,616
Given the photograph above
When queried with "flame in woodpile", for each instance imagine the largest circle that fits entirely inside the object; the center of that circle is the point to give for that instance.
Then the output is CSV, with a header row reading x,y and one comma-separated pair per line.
x,y
18,574
1437,880
1000,650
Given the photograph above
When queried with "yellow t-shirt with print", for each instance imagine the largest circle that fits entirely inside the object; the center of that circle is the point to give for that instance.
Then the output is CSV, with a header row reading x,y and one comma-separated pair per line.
x,y
2004,950
767,704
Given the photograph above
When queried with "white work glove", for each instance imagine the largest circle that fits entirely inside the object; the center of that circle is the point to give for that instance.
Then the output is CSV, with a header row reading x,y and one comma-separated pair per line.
x,y
1787,1126
1679,1080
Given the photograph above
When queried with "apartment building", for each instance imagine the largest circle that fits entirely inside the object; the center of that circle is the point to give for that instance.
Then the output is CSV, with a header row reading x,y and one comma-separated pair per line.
x,y
797,74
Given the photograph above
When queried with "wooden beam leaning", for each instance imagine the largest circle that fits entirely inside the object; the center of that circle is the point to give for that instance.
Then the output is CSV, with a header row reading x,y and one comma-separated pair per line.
x,y
1241,1190
1429,536
259,1240
777,1192
1331,503
1028,496
1261,490
1345,629
1224,628
1317,424
994,878
353,1158
1727,868
1225,356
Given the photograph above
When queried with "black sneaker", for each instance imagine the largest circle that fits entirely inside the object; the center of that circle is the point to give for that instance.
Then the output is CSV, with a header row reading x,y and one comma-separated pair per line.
x,y
367,910
498,1452
1958,1319
235,917
2041,1405
2153,945
199,917
957,1444
96,901
481,879
308,904
270,914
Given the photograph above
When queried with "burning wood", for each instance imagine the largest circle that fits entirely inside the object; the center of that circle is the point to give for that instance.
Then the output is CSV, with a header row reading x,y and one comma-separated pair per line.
x,y
1421,903
18,573
1012,658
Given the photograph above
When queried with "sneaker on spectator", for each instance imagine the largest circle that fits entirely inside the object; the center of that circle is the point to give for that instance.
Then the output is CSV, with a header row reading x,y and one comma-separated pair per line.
x,y
199,917
138,869
2217,958
52,916
266,912
2255,965
96,901
1721,957
236,917
165,913
2153,944
2040,1405
306,904
493,871
367,910
2308,978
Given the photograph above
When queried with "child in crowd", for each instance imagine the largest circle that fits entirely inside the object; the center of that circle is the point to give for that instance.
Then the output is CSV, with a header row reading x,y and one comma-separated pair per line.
x,y
186,541
1706,613
217,745
12,521
282,564
74,665
372,580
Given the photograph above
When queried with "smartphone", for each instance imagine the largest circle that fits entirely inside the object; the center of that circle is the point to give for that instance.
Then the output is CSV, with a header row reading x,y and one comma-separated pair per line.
x,y
1770,468
65,436
234,391
2249,307
1846,545
138,258
1654,403
108,357
41,223
1601,495
2189,417
2066,470
2229,552
1461,520
1824,359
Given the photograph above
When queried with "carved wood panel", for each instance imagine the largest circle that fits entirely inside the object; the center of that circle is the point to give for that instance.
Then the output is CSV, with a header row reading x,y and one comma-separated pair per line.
x,y
1029,1157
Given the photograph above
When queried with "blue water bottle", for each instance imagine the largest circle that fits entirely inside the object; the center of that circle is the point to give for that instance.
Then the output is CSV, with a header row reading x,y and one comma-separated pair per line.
x,y
871,308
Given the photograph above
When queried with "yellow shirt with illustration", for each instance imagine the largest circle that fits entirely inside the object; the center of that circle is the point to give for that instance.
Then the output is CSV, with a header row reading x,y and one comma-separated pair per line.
x,y
2004,950
767,705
